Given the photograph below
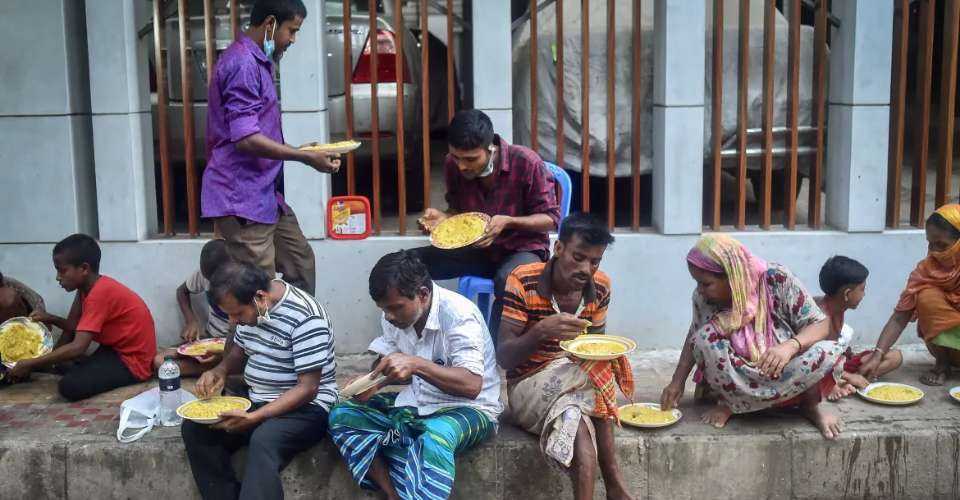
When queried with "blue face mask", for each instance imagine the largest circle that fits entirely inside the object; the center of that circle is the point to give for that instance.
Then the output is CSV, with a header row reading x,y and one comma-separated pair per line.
x,y
268,45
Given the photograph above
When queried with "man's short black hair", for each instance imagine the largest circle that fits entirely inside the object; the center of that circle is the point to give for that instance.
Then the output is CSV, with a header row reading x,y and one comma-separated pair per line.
x,y
283,10
943,224
212,256
78,249
402,271
470,129
588,227
240,279
839,272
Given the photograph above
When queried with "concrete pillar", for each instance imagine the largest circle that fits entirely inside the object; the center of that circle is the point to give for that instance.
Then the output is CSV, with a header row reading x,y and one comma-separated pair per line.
x,y
859,107
493,83
678,100
303,101
122,131
47,184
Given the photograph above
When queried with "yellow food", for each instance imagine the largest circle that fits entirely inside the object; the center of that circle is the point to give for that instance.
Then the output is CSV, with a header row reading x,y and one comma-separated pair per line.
x,y
203,349
599,347
332,146
19,341
205,409
647,415
458,231
894,393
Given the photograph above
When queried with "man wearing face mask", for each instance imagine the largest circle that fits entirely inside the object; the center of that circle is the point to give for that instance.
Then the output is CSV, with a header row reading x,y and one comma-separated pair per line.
x,y
435,342
512,185
243,180
284,346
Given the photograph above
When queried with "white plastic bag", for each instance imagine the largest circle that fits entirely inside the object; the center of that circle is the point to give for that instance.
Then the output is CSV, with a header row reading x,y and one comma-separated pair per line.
x,y
139,414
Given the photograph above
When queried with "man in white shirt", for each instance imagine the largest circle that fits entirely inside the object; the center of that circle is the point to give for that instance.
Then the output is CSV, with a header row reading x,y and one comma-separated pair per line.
x,y
435,341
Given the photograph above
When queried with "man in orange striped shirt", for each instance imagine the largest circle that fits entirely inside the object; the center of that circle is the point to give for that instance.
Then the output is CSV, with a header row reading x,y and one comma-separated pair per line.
x,y
570,404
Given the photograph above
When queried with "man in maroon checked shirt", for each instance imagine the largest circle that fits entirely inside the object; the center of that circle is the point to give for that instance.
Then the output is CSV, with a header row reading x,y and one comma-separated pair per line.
x,y
242,187
511,184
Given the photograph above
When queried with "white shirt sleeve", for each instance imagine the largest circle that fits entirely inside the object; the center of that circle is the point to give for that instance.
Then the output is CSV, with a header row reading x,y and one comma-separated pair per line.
x,y
464,339
196,283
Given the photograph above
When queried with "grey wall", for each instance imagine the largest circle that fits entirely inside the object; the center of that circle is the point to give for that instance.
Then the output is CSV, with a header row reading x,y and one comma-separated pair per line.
x,y
651,287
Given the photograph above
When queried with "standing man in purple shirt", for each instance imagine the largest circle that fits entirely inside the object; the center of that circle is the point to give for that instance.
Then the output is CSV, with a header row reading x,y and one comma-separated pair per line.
x,y
511,184
243,180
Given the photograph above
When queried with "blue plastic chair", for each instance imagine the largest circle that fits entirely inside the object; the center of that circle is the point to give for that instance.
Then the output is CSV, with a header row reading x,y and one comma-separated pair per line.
x,y
481,289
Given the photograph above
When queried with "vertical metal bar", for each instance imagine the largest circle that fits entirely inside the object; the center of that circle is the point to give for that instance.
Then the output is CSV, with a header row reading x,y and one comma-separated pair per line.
x,y
348,93
819,112
742,117
401,66
793,110
560,103
635,118
611,112
769,20
901,45
948,96
425,99
924,81
209,38
534,97
234,17
450,80
186,87
373,41
585,102
716,112
163,132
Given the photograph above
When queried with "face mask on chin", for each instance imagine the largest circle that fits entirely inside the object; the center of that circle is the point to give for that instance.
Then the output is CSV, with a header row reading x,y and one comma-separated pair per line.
x,y
269,46
491,164
261,317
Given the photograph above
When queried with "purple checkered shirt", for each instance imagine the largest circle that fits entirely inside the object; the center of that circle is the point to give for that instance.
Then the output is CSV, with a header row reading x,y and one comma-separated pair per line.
x,y
523,186
242,100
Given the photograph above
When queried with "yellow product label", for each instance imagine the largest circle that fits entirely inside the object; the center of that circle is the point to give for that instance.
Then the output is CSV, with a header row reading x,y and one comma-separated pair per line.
x,y
340,213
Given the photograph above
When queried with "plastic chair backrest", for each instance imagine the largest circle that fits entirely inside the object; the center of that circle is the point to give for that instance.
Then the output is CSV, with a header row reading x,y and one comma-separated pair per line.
x,y
566,189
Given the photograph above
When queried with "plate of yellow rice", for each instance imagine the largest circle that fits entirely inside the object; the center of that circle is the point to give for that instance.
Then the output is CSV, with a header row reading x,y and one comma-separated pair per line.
x,y
459,231
340,147
598,347
22,338
891,393
208,411
648,415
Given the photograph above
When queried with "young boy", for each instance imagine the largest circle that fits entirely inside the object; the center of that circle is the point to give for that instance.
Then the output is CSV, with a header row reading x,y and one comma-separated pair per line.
x,y
17,299
212,256
103,311
844,282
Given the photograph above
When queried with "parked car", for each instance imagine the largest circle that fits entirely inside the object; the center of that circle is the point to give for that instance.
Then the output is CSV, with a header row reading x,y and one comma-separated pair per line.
x,y
386,41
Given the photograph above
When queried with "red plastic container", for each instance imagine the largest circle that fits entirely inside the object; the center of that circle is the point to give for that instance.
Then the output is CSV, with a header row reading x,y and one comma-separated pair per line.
x,y
348,218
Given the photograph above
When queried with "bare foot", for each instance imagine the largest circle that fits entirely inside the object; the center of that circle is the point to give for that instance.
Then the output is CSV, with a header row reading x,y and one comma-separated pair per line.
x,y
829,424
856,380
717,416
937,376
841,391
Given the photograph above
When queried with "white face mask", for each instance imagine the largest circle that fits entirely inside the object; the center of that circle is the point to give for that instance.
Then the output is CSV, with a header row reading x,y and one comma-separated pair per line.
x,y
268,44
490,164
261,317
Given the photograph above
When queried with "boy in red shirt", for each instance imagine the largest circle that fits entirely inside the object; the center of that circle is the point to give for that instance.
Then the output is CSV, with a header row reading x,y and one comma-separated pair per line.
x,y
103,311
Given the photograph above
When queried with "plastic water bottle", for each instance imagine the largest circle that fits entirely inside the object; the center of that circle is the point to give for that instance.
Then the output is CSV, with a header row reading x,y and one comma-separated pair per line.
x,y
169,375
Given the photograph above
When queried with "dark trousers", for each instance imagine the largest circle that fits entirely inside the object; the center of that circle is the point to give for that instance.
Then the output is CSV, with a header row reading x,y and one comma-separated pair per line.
x,y
100,372
448,264
271,446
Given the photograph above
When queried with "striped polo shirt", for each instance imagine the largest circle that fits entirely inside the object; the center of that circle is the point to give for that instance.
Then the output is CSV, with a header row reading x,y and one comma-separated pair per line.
x,y
526,301
296,339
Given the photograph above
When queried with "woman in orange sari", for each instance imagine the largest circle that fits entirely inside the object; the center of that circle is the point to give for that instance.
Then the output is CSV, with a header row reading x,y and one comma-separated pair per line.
x,y
932,298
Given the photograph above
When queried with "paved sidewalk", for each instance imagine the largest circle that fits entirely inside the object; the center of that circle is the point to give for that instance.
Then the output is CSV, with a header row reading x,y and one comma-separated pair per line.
x,y
53,449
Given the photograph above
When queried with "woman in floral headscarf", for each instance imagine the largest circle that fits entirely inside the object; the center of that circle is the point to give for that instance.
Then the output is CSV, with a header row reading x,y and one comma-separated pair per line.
x,y
757,337
932,298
